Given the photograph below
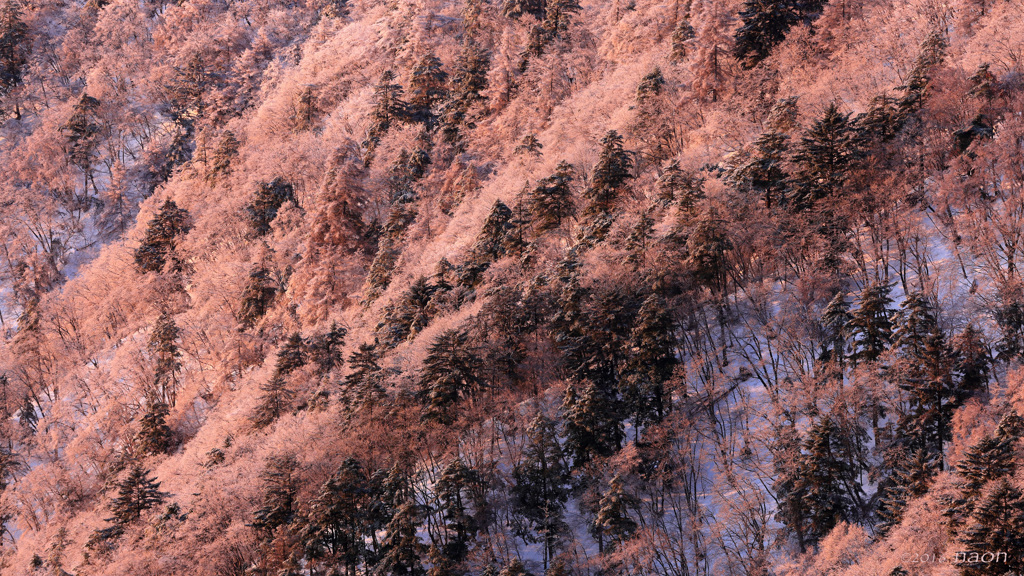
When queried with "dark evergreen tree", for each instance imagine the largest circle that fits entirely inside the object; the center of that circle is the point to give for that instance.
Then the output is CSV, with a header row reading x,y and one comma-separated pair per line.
x,y
829,479
166,357
541,479
610,174
613,523
427,87
224,154
763,173
13,49
933,51
259,294
827,153
161,239
557,15
519,8
551,201
494,238
280,487
275,399
364,381
388,108
402,551
266,202
650,361
933,393
155,435
707,249
136,493
529,145
336,526
639,240
791,489
765,25
83,132
871,324
326,350
677,185
593,423
291,356
911,479
994,541
650,86
835,323
982,82
972,361
451,373
468,82
453,494
681,36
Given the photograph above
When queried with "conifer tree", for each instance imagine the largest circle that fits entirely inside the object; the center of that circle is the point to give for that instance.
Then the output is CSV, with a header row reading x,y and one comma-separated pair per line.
x,y
280,487
551,201
928,379
871,324
830,481
763,173
136,493
933,52
336,526
541,480
677,185
651,359
650,86
13,36
827,153
638,241
519,8
267,200
529,145
225,153
765,24
427,87
593,423
452,494
707,248
610,175
911,479
164,348
496,235
388,109
83,131
401,548
154,434
275,399
451,373
681,35
325,350
972,362
161,239
291,356
613,523
364,380
982,82
257,297
994,541
468,82
835,322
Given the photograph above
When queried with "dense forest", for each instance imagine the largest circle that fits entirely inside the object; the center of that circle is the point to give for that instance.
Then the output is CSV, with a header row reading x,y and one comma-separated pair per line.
x,y
512,287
